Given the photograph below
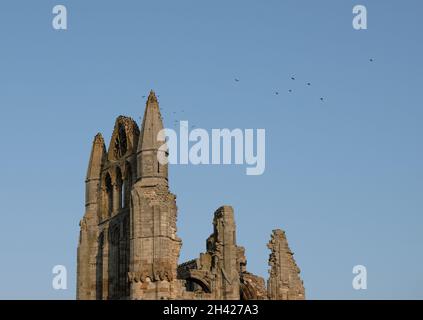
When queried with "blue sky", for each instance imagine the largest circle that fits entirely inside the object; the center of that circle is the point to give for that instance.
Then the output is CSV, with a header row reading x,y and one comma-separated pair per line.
x,y
343,177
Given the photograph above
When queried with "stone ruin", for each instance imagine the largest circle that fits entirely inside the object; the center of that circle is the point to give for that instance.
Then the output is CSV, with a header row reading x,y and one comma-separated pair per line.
x,y
128,247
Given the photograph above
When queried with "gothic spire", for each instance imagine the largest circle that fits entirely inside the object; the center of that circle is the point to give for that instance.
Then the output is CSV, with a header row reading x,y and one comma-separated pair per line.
x,y
151,125
98,155
148,144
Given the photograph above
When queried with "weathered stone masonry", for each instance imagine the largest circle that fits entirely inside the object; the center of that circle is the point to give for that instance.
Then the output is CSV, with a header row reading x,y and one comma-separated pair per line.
x,y
128,247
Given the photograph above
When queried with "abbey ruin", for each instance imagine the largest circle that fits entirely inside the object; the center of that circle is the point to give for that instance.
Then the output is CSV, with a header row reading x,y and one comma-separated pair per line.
x,y
128,245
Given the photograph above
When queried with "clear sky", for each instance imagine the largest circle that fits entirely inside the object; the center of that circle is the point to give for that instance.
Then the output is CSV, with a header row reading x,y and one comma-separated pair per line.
x,y
343,177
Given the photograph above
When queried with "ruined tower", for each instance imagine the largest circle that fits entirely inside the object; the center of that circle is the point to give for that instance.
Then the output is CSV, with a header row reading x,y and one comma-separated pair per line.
x,y
87,249
103,250
128,247
284,282
153,242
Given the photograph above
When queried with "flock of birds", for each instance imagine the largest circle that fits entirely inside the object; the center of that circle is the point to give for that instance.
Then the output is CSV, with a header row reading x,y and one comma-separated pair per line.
x,y
290,90
293,78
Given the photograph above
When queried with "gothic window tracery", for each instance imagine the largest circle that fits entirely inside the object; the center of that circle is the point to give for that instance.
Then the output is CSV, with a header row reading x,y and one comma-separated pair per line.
x,y
120,143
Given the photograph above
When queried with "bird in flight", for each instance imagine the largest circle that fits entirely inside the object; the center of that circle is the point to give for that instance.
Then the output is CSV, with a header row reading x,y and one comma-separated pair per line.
x,y
308,83
290,90
276,92
321,99
236,80
143,96
292,78
371,59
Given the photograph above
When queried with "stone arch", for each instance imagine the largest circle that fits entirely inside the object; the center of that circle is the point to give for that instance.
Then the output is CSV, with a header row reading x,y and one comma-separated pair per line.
x,y
200,281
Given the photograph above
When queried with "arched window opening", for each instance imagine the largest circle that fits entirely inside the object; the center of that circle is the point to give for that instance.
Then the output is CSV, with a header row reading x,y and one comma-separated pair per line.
x,y
109,195
121,144
196,285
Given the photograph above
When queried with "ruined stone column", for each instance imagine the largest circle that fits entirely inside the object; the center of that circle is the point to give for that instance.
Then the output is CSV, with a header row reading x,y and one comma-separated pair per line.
x,y
87,247
224,255
284,282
